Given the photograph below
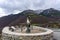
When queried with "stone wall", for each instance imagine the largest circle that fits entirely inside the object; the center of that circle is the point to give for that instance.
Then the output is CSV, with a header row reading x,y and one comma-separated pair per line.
x,y
8,35
38,37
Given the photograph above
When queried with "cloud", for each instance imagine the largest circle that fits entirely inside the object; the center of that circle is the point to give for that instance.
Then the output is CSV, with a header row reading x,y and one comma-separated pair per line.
x,y
10,6
2,12
27,4
16,11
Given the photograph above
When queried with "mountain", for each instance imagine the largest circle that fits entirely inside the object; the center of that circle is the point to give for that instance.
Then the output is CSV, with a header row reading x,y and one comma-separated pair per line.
x,y
50,12
30,13
48,15
38,11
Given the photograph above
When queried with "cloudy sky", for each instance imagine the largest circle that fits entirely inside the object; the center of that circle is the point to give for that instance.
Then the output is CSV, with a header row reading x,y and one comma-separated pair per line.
x,y
15,6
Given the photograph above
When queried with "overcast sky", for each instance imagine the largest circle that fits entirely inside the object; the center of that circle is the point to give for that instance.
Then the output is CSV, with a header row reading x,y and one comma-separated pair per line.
x,y
15,6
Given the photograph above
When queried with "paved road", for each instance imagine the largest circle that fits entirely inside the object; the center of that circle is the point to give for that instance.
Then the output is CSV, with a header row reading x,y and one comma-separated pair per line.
x,y
56,34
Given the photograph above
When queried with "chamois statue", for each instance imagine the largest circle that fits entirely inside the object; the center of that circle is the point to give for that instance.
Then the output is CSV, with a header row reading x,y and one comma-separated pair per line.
x,y
28,25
